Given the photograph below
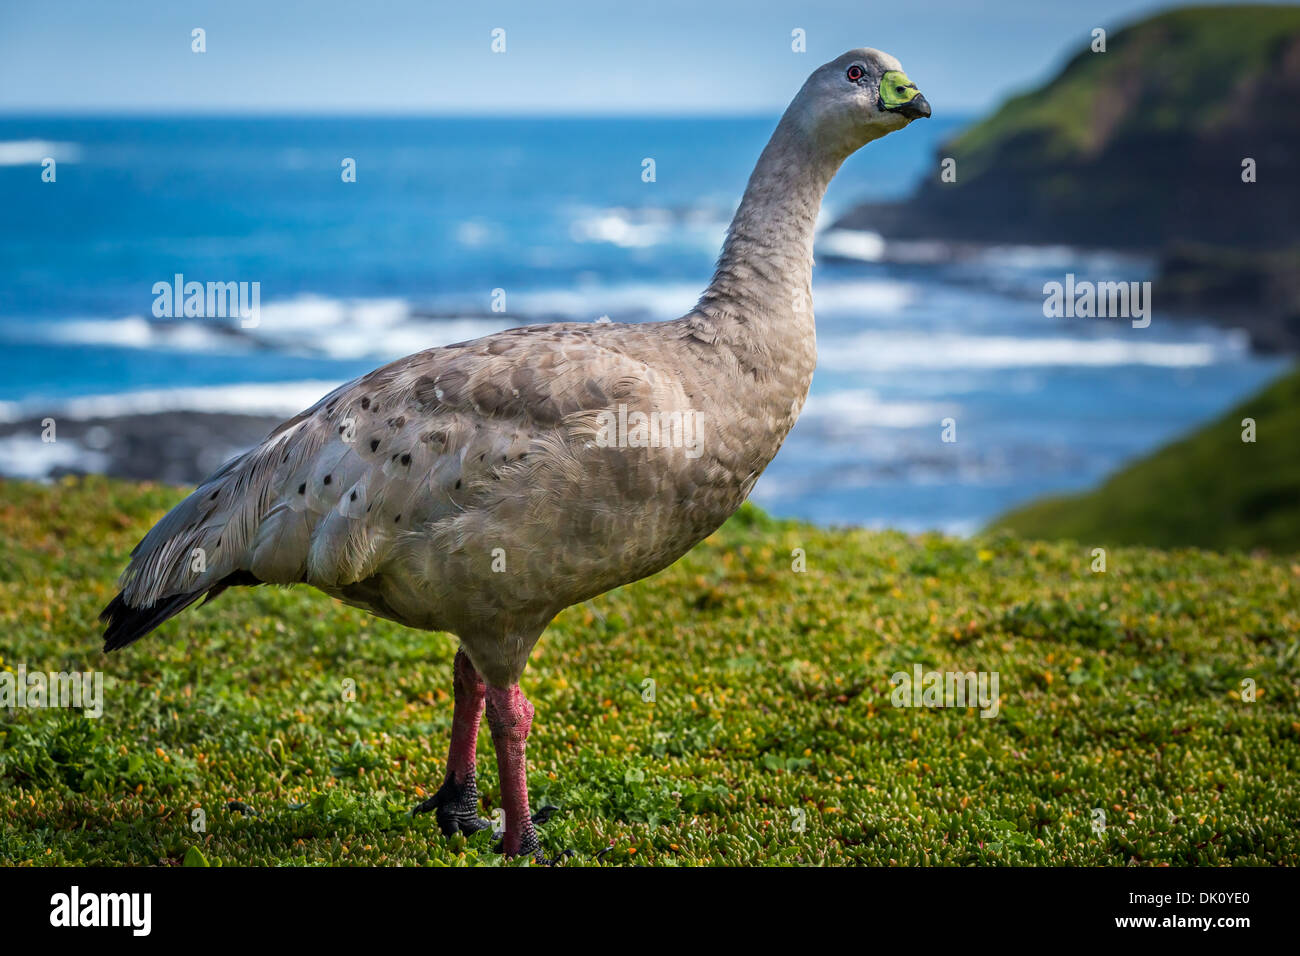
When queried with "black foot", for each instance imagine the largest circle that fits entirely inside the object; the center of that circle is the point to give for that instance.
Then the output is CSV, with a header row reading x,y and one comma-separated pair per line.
x,y
455,807
531,846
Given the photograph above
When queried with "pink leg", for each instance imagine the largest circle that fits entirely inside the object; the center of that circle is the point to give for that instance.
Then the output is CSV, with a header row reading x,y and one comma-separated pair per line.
x,y
510,717
467,712
456,803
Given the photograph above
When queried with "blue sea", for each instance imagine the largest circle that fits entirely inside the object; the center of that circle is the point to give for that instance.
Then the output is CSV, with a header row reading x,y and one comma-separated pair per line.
x,y
555,214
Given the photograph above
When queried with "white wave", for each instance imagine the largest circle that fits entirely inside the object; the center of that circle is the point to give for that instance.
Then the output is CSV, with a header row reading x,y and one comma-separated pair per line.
x,y
383,329
642,228
475,233
669,300
619,302
852,244
134,331
378,329
894,352
363,328
281,399
26,456
1065,258
620,231
853,409
863,296
388,328
26,152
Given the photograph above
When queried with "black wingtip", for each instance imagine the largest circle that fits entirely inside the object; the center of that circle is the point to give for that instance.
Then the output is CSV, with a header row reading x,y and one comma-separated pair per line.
x,y
126,624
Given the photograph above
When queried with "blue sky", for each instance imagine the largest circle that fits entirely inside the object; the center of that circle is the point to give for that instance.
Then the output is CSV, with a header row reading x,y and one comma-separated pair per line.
x,y
579,56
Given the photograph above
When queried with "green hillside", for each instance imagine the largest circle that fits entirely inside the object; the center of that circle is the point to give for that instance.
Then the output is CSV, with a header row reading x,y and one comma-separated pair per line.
x,y
1136,146
771,737
1189,70
1209,490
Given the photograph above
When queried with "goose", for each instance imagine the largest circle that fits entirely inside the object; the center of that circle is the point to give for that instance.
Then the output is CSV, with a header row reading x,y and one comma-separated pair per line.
x,y
481,488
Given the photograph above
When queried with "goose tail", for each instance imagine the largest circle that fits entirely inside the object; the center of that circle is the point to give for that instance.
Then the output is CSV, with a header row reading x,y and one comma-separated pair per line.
x,y
125,624
199,548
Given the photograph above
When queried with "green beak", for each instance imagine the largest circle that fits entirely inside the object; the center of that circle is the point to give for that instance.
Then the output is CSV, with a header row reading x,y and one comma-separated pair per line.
x,y
898,94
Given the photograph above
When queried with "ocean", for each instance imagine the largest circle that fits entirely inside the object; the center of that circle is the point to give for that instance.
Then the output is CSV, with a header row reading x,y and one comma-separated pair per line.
x,y
552,219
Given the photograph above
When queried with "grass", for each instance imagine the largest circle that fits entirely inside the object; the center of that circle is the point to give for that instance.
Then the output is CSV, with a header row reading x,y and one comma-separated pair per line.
x,y
1119,691
1210,489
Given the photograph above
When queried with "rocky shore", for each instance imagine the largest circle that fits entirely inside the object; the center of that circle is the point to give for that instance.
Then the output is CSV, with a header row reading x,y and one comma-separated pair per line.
x,y
180,448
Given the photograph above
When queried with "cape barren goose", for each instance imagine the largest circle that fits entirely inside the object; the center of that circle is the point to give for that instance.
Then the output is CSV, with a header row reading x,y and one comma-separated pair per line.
x,y
397,492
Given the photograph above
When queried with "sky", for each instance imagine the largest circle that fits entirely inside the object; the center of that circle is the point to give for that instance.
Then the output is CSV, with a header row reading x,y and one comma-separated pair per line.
x,y
561,57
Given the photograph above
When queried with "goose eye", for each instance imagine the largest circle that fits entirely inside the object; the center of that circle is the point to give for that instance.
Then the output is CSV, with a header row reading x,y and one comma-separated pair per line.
x,y
856,73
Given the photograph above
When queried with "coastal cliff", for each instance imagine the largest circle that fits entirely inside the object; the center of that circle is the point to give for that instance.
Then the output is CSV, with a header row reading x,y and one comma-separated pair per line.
x,y
1147,146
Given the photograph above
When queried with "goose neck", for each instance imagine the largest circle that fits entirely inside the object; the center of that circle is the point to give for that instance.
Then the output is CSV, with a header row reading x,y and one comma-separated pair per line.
x,y
761,294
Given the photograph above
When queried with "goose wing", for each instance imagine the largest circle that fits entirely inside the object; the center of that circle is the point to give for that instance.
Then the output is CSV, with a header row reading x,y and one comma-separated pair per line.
x,y
325,497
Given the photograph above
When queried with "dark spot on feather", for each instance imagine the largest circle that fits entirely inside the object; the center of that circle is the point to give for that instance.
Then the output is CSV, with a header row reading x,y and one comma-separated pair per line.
x,y
397,519
365,402
302,489
406,459
342,429
397,422
490,396
425,391
354,496
457,482
374,443
452,384
482,456
214,495
327,479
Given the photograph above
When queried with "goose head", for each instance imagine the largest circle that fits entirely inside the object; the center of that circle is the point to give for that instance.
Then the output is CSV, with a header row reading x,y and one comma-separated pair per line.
x,y
859,96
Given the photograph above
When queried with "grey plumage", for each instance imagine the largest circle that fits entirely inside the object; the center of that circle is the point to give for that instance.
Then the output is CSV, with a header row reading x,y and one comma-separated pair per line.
x,y
406,491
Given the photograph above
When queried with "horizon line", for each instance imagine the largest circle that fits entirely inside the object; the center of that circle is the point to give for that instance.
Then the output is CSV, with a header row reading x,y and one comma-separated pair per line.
x,y
309,113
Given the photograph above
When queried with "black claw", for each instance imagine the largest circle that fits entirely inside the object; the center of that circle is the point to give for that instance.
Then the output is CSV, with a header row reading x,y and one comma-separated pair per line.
x,y
554,860
528,846
455,806
531,846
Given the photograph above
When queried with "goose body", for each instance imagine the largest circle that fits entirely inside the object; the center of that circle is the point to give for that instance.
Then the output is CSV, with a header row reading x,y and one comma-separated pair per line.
x,y
483,487
474,488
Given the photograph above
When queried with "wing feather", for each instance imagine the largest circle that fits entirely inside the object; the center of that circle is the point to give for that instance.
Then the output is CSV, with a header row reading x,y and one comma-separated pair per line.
x,y
332,492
